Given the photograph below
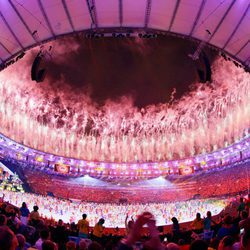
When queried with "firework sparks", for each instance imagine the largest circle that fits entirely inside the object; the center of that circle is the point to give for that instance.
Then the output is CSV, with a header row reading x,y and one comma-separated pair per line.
x,y
209,117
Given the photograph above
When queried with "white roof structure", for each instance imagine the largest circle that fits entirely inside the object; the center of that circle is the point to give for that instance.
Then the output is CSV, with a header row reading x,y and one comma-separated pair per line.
x,y
26,23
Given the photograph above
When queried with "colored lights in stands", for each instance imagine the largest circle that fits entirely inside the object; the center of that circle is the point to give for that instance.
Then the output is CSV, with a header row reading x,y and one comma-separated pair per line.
x,y
39,158
103,165
203,163
82,163
62,168
189,161
19,156
186,170
175,163
45,161
245,153
133,166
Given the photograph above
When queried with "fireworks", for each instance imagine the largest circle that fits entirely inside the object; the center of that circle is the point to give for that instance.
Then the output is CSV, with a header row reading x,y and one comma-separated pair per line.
x,y
61,122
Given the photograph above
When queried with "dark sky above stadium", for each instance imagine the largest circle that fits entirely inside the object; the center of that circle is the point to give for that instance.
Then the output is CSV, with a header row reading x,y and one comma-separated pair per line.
x,y
108,68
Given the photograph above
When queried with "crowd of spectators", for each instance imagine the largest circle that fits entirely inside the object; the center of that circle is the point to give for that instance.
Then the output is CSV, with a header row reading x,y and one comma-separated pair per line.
x,y
227,181
229,231
84,221
205,184
113,213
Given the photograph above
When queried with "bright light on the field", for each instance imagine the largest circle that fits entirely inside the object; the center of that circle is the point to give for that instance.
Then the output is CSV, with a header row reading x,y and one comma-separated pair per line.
x,y
156,182
88,181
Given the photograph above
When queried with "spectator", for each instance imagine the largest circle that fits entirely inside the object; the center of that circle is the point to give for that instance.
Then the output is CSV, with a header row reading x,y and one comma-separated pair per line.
x,y
98,230
3,220
172,246
241,207
247,205
83,226
34,216
175,229
44,235
13,222
245,241
73,229
60,235
129,224
226,243
2,208
22,244
227,228
8,240
208,222
135,234
183,245
82,245
71,245
48,245
95,246
198,245
197,225
244,219
24,214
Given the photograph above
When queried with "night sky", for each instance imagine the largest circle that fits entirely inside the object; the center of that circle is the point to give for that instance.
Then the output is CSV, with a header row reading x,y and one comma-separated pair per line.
x,y
108,68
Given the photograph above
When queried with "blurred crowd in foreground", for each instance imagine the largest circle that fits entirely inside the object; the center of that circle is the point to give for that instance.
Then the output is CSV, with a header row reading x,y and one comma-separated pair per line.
x,y
21,228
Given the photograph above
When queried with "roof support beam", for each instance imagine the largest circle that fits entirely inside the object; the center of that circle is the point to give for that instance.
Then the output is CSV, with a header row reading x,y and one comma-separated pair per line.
x,y
197,17
247,61
22,20
147,13
46,18
174,14
121,12
92,13
243,47
11,31
68,14
222,20
236,27
5,48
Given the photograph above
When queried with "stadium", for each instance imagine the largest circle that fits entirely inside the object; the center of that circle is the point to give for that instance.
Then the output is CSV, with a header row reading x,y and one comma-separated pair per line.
x,y
118,107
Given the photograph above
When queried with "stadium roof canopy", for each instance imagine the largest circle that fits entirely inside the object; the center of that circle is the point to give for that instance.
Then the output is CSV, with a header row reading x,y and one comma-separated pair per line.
x,y
26,23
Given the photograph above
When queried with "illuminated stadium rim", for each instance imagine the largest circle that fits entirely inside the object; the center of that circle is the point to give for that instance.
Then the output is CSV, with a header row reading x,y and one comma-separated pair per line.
x,y
237,152
234,153
109,32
